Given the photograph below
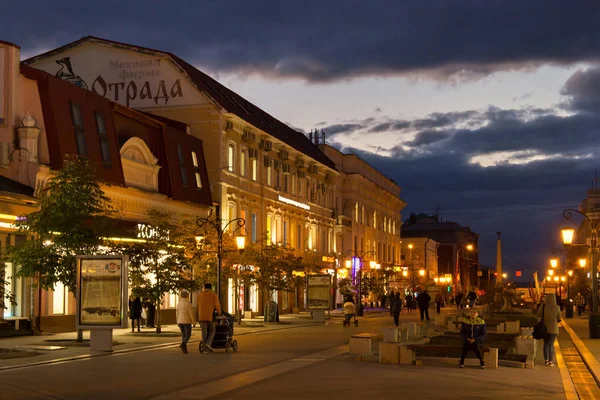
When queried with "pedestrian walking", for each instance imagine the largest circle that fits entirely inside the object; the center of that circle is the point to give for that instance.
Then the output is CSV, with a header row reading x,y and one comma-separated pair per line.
x,y
472,332
550,312
409,304
135,311
459,298
185,319
390,297
423,300
208,302
579,303
438,302
396,307
472,297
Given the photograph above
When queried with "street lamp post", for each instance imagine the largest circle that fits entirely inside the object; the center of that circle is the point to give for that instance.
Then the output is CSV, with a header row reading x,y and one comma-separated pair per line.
x,y
568,273
221,229
567,235
469,247
360,257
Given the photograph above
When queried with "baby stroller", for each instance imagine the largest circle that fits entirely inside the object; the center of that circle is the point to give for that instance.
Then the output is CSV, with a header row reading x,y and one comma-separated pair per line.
x,y
350,311
223,334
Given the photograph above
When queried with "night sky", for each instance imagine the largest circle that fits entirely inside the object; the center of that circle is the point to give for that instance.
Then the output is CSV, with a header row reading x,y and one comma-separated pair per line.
x,y
487,111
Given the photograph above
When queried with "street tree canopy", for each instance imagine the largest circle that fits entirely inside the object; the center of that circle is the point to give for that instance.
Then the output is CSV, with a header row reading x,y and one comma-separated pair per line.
x,y
72,219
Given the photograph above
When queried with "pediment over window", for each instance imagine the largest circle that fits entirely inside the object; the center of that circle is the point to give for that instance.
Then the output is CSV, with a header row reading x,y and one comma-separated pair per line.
x,y
140,166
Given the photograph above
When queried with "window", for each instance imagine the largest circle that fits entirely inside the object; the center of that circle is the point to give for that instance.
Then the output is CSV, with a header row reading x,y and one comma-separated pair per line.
x,y
356,212
181,165
270,176
254,228
243,158
230,158
59,299
196,170
299,236
102,138
78,127
285,182
269,229
254,167
285,229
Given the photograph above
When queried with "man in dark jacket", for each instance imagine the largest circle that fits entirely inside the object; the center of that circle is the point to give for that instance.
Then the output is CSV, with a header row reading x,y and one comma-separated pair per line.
x,y
472,296
472,333
423,300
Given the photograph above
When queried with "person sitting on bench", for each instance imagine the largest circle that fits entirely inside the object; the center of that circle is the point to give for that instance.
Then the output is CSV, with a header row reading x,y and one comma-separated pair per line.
x,y
472,333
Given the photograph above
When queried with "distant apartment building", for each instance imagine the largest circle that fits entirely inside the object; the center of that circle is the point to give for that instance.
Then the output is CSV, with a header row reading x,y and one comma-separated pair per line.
x,y
457,251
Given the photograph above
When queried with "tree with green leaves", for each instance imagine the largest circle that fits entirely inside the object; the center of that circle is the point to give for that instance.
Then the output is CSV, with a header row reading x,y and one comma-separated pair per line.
x,y
160,265
73,218
6,296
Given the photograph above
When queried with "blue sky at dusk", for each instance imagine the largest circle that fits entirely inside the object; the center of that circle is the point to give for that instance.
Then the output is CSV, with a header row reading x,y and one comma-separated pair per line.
x,y
486,110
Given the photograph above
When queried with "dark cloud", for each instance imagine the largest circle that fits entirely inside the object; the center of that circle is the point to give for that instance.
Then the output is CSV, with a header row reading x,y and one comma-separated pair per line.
x,y
522,197
583,90
341,128
321,41
377,110
428,137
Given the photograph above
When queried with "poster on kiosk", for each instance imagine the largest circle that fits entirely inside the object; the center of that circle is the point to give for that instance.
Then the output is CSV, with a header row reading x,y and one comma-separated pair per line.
x,y
318,292
102,302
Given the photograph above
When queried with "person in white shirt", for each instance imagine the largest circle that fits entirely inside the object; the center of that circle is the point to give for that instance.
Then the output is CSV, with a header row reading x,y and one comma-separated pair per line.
x,y
185,319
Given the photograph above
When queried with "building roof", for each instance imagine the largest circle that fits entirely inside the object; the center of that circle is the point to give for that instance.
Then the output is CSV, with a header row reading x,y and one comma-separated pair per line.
x,y
229,100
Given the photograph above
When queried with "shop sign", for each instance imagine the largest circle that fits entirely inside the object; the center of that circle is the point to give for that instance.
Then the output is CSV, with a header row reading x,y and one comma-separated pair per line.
x,y
145,231
328,259
102,291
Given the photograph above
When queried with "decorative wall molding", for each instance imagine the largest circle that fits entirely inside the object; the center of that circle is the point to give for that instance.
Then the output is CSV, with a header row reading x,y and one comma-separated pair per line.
x,y
140,166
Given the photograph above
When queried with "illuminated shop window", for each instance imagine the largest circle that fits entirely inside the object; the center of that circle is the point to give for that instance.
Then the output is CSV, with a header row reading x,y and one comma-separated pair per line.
x,y
59,299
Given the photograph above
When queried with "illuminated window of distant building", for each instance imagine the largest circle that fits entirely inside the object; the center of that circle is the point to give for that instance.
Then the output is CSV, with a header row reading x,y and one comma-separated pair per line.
x,y
270,175
243,159
254,165
356,212
173,298
277,230
375,219
362,214
299,236
269,229
254,228
230,157
231,214
181,159
59,299
285,233
78,127
102,138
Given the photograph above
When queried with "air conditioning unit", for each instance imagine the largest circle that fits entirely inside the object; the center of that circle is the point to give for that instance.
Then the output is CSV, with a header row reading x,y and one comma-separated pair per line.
x,y
313,169
327,177
276,164
299,162
283,154
266,145
267,161
228,125
252,153
248,136
286,168
301,174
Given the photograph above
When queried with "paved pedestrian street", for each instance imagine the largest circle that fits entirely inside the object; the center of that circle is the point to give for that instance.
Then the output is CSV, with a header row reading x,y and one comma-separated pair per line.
x,y
304,360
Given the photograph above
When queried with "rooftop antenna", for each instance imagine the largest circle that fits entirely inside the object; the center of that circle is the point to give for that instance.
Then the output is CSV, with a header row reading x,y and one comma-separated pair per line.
x,y
310,135
596,178
322,136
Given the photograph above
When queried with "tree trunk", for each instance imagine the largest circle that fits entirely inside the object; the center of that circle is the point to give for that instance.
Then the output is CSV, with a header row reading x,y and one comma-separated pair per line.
x,y
157,317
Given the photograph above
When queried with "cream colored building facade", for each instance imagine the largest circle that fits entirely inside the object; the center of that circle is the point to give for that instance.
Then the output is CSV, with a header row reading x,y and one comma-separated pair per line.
x,y
368,213
259,169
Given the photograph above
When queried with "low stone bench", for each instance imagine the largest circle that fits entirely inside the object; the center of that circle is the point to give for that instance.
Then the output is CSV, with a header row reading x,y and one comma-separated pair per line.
x,y
361,344
490,354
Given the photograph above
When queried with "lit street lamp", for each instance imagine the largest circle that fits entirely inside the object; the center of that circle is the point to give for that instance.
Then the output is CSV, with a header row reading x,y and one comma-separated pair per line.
x,y
221,227
359,257
468,247
567,235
